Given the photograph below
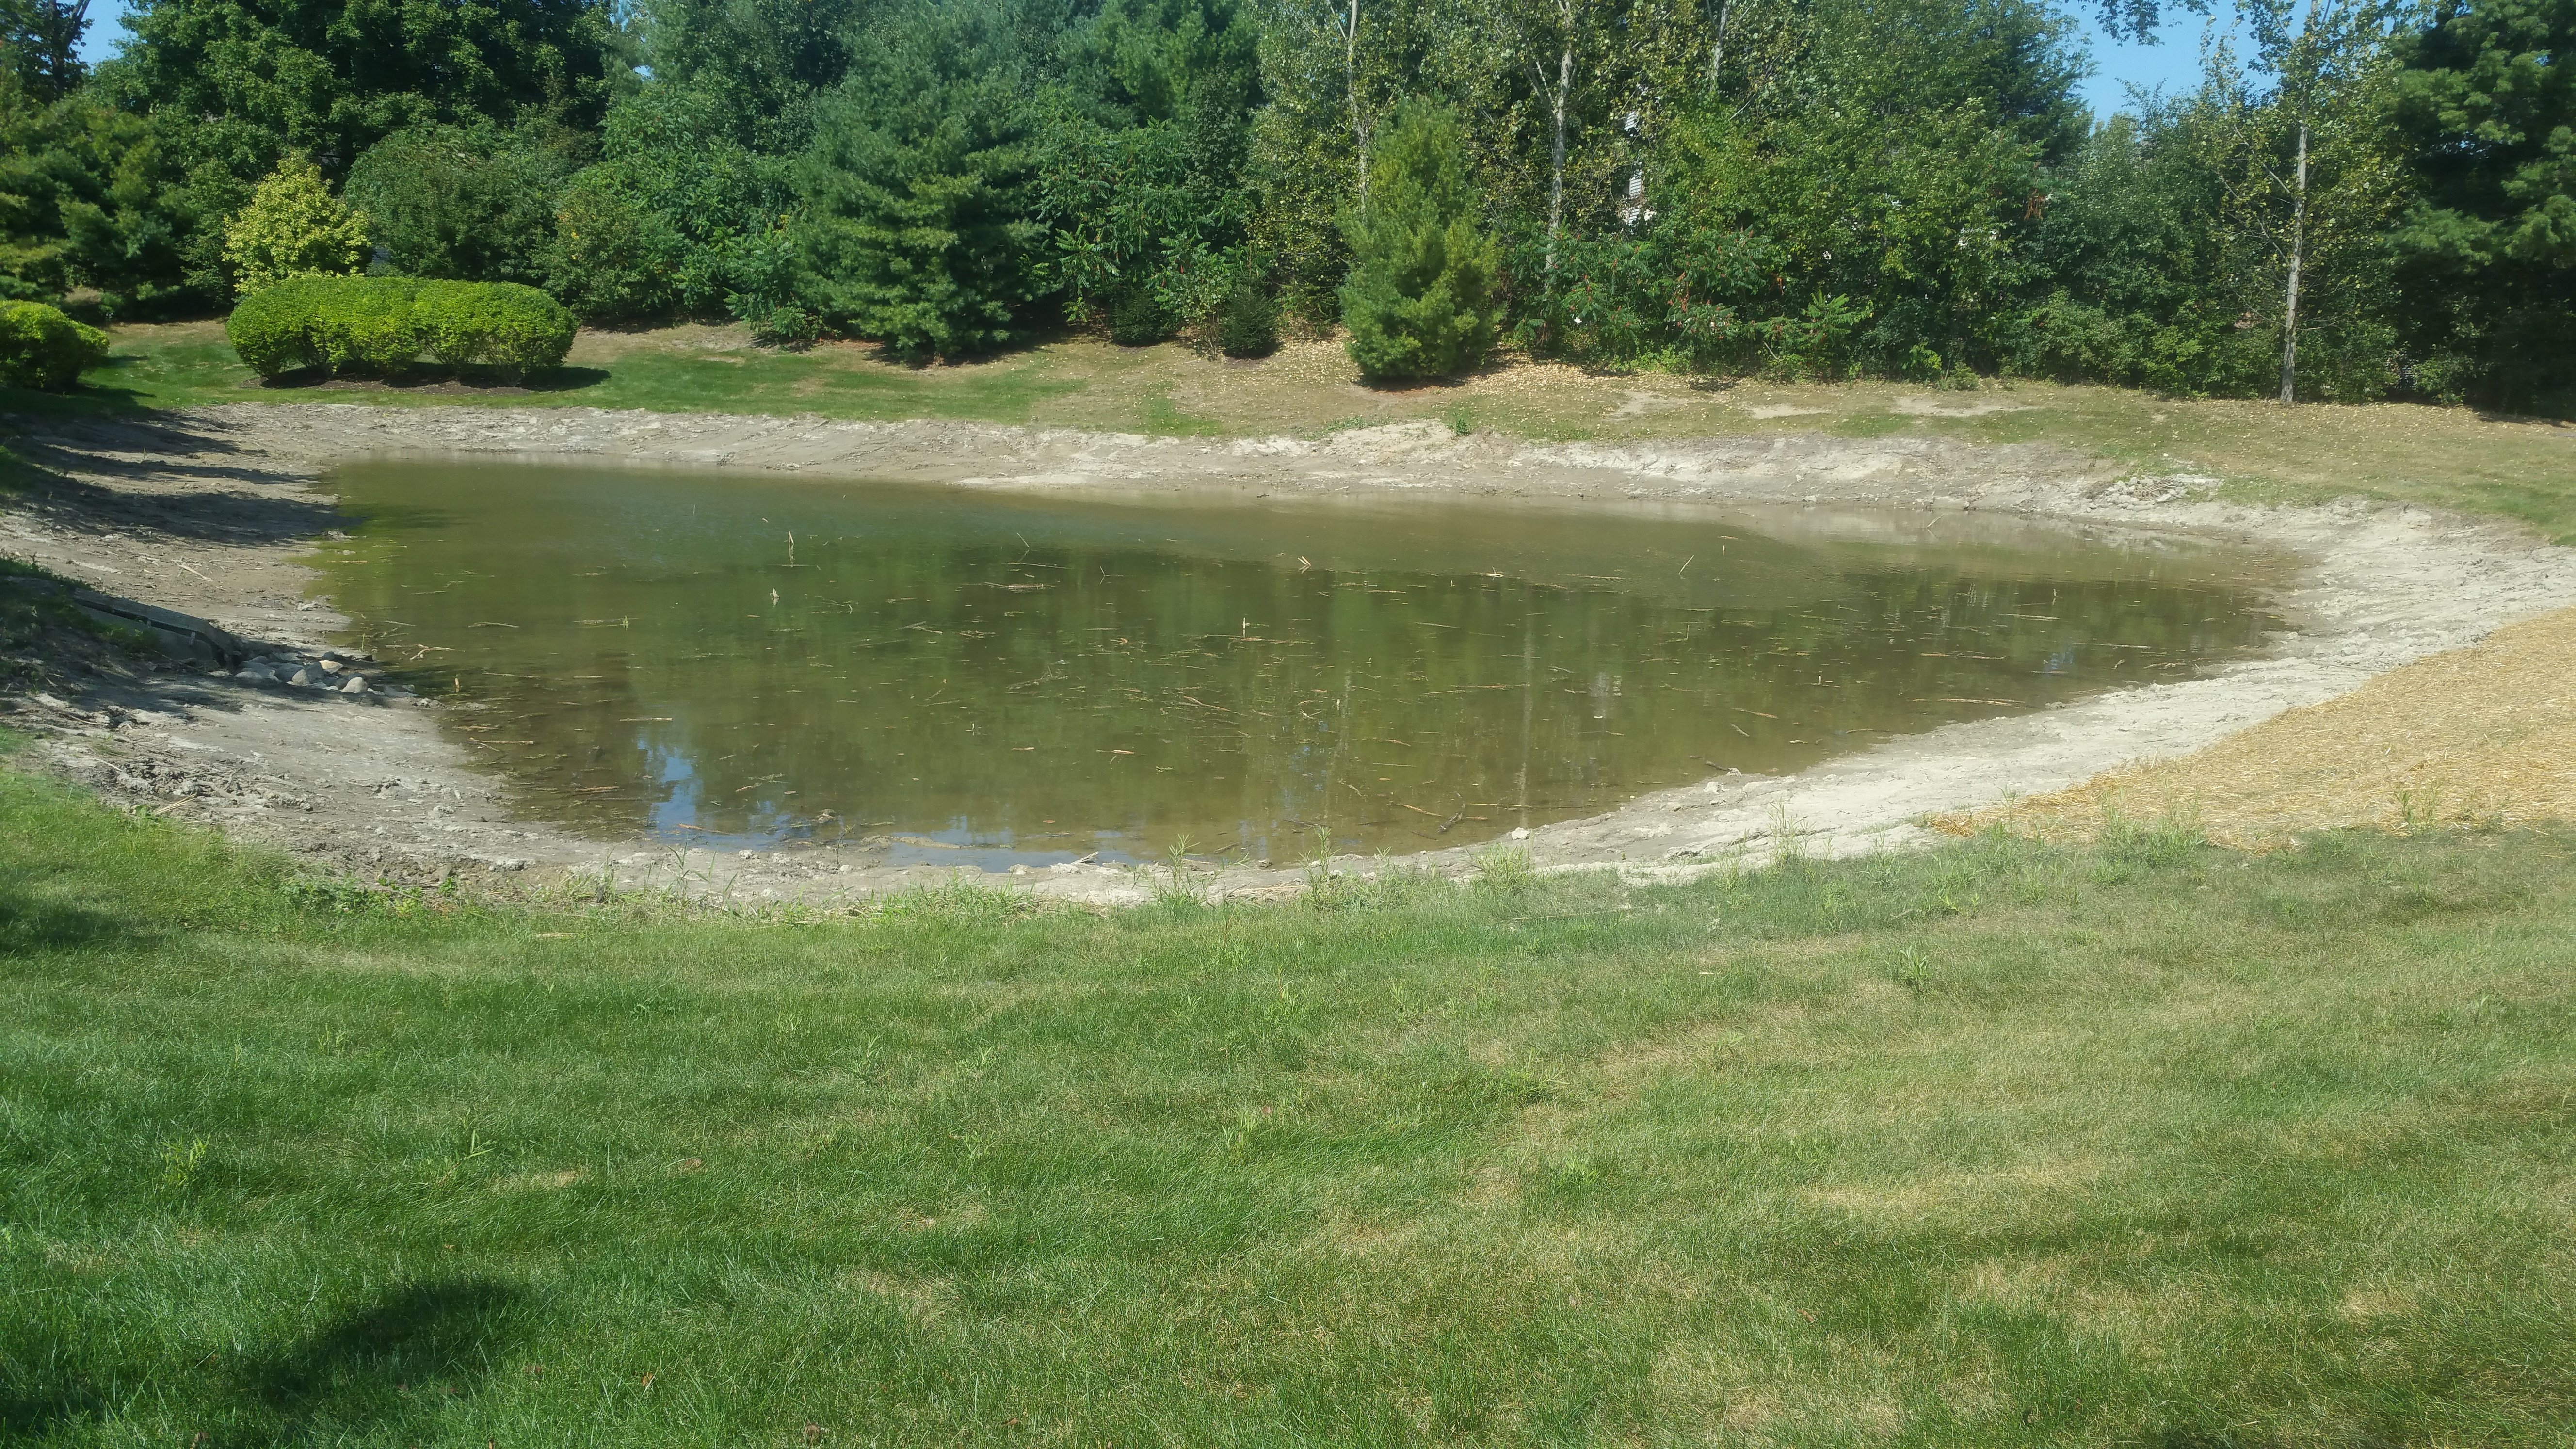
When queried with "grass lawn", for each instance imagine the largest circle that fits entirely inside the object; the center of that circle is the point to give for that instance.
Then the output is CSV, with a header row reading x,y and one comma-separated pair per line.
x,y
1996,1145
2447,457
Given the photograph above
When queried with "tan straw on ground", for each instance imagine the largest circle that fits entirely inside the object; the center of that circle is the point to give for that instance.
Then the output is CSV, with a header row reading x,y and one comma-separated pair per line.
x,y
2485,734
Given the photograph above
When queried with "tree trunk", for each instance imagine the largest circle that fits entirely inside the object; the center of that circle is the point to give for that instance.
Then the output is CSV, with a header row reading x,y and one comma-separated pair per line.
x,y
1351,84
1556,162
1717,47
57,26
2290,304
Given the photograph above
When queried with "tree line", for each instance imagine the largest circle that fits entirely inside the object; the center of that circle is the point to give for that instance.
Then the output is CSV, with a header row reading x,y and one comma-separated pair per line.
x,y
2358,199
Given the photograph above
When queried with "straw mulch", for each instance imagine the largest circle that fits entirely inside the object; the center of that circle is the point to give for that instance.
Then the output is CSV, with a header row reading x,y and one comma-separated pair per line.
x,y
2484,735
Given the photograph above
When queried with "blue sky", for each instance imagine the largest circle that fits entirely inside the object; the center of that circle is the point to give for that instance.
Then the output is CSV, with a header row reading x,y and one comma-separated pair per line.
x,y
2172,63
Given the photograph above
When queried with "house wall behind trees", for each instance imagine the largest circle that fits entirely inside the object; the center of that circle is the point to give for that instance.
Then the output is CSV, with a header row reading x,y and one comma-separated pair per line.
x,y
1808,187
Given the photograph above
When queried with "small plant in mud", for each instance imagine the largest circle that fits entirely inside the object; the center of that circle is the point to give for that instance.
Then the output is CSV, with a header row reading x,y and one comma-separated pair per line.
x,y
1175,884
1505,869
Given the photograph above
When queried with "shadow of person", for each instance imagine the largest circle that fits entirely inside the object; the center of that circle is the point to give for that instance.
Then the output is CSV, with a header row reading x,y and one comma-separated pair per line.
x,y
395,1357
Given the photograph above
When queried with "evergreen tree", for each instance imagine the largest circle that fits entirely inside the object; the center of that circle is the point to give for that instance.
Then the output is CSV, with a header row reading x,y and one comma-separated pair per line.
x,y
84,193
2485,100
918,193
40,42
1419,302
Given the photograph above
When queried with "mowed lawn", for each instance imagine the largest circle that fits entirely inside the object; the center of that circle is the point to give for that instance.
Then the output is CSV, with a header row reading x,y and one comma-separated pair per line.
x,y
2001,1144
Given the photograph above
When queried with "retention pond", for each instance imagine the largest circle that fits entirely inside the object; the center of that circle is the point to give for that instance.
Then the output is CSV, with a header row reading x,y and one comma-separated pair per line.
x,y
992,678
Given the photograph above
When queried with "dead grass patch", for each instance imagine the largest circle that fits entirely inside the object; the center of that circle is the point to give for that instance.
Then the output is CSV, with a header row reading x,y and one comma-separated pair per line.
x,y
2010,1192
541,1181
924,1299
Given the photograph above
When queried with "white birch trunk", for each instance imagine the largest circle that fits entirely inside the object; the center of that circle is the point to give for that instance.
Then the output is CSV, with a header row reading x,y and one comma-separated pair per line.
x,y
2290,304
1351,85
1556,160
1717,47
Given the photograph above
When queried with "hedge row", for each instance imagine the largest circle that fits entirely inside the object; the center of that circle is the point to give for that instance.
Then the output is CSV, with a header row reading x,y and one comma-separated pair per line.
x,y
382,325
42,348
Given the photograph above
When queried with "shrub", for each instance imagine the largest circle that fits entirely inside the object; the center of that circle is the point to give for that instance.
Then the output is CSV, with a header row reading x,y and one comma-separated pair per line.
x,y
363,325
1419,299
293,227
42,348
476,202
500,325
614,256
1139,319
788,326
384,324
1249,325
271,329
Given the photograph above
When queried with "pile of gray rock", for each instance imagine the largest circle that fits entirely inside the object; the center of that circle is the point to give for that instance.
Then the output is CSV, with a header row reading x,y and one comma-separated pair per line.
x,y
337,671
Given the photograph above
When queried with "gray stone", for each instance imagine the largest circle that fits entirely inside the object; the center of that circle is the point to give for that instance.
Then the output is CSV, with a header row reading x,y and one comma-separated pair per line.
x,y
305,678
355,685
253,674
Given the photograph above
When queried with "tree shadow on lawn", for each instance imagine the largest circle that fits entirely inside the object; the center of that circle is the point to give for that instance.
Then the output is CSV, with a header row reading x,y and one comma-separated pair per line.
x,y
438,382
393,1360
89,400
396,1357
31,924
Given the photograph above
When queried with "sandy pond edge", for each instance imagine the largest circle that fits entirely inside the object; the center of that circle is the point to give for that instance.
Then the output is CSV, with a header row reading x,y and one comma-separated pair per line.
x,y
206,511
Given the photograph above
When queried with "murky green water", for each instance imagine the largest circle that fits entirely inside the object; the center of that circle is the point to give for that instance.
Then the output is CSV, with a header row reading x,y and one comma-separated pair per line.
x,y
992,677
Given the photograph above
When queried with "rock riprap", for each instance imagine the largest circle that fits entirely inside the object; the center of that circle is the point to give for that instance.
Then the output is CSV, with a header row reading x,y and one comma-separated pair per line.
x,y
331,671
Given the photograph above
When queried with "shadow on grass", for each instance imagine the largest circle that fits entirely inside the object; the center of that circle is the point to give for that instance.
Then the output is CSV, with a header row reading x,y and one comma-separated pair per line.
x,y
390,1362
90,400
462,382
392,1358
31,925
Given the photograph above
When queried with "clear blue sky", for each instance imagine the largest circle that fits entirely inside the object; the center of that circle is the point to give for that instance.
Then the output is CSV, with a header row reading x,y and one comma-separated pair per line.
x,y
2173,63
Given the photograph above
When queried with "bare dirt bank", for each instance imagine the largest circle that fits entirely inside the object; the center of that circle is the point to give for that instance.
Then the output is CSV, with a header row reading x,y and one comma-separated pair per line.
x,y
206,510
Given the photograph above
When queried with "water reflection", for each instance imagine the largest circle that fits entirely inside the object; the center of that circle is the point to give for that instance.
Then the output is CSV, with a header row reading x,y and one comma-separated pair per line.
x,y
983,678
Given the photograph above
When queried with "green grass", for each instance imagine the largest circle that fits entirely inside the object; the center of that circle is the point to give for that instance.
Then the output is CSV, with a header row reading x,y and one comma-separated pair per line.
x,y
1996,1145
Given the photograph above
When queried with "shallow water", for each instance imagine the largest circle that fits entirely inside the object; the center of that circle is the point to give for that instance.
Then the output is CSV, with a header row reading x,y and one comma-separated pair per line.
x,y
986,678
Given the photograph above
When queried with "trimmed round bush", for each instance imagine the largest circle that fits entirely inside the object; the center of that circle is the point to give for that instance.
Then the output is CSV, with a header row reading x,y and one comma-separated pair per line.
x,y
381,325
363,325
41,348
500,325
271,330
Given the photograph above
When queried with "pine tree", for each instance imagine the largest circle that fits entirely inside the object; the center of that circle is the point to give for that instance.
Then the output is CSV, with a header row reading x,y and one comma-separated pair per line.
x,y
1419,299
